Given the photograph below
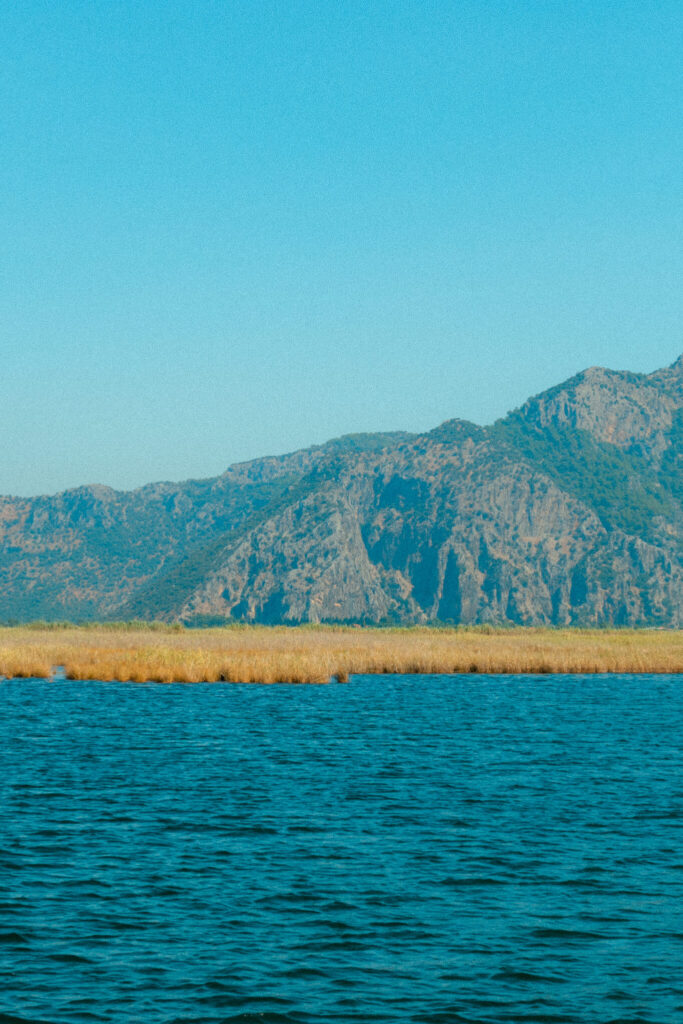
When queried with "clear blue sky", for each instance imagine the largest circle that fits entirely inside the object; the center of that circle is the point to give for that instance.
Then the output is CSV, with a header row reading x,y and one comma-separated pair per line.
x,y
237,228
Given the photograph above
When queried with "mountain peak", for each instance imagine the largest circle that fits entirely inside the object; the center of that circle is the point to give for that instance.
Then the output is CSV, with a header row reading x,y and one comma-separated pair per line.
x,y
678,365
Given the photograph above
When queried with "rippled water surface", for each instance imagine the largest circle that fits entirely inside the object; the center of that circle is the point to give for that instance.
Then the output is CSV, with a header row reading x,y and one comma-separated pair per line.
x,y
432,849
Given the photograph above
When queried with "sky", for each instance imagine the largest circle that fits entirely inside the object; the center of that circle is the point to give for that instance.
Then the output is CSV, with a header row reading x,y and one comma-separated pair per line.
x,y
232,229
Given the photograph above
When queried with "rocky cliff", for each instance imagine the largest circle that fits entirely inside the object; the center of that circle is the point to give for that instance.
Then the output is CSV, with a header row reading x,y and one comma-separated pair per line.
x,y
569,510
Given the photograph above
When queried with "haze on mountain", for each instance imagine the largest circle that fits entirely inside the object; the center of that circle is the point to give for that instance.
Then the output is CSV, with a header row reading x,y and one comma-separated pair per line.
x,y
567,511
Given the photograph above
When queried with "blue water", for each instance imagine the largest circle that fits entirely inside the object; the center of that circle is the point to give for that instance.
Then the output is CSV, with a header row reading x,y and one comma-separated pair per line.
x,y
424,849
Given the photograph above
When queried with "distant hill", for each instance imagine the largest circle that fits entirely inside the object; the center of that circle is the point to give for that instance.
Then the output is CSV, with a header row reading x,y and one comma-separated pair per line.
x,y
569,510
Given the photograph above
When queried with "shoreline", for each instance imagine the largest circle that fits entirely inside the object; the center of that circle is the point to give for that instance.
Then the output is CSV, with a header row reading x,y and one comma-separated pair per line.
x,y
162,653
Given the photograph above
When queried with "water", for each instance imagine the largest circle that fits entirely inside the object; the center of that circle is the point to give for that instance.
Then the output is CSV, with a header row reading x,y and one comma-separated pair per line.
x,y
425,849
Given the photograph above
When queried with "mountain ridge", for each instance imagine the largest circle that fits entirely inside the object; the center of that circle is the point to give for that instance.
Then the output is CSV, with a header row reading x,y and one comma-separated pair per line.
x,y
567,510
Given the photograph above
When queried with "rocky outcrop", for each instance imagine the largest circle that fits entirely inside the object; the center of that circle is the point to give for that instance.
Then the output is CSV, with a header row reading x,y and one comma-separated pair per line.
x,y
618,408
570,510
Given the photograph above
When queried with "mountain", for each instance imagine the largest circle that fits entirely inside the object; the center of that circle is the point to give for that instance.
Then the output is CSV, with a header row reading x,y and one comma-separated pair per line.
x,y
567,511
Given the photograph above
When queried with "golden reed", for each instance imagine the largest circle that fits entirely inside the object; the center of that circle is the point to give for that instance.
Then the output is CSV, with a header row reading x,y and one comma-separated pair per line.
x,y
310,654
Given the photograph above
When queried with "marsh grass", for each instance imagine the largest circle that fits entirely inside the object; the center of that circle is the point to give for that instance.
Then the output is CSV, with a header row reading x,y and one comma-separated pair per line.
x,y
308,654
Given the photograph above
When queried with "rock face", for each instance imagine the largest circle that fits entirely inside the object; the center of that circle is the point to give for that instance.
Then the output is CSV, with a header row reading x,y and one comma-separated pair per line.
x,y
569,510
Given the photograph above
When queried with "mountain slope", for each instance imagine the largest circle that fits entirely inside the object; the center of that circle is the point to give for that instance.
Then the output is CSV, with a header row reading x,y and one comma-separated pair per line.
x,y
569,510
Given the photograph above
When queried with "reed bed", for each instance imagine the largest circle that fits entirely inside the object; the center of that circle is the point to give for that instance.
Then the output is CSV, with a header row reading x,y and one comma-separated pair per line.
x,y
317,654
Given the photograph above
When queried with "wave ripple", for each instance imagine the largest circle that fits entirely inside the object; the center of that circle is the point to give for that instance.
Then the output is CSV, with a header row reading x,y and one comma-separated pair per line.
x,y
404,849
